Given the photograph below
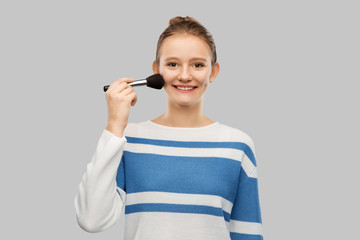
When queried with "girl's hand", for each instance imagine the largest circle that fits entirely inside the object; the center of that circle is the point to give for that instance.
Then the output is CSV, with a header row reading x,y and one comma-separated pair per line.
x,y
119,97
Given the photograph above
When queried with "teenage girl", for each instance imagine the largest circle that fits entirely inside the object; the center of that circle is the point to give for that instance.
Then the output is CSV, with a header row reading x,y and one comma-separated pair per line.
x,y
181,175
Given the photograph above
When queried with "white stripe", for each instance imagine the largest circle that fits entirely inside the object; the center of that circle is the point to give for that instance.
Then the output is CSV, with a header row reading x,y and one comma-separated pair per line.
x,y
179,198
254,174
169,225
245,227
248,167
230,153
148,130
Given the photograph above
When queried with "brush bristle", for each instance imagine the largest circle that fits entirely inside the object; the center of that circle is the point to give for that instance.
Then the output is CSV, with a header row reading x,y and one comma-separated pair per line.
x,y
155,81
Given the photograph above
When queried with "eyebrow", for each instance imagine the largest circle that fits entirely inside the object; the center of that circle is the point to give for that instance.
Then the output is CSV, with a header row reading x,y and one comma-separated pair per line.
x,y
192,59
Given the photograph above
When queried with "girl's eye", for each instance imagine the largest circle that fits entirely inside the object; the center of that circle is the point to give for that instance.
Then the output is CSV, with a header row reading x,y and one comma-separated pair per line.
x,y
198,65
171,64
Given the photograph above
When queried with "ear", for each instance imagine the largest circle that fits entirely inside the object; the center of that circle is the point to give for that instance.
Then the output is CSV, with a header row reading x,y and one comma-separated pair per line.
x,y
155,68
214,72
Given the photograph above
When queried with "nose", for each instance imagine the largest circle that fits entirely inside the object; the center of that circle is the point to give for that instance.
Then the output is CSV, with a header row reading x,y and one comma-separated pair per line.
x,y
184,74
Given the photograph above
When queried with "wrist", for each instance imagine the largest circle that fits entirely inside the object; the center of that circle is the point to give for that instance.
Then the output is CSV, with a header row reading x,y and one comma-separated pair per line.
x,y
115,129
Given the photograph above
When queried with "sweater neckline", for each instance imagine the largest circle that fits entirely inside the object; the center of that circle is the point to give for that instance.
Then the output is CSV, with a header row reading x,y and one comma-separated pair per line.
x,y
181,128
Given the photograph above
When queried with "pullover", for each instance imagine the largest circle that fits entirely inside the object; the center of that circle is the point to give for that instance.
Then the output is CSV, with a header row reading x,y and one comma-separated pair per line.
x,y
173,183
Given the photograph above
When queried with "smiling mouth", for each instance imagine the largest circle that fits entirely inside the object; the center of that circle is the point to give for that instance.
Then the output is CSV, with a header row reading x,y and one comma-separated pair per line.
x,y
185,88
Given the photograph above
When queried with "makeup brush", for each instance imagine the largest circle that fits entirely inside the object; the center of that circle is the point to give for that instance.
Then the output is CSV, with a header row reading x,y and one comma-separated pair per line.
x,y
154,81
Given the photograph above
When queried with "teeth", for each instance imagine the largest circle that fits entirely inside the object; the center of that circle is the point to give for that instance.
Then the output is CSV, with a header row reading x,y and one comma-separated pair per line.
x,y
185,88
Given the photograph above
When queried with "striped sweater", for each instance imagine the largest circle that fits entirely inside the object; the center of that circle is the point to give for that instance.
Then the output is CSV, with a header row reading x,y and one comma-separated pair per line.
x,y
173,183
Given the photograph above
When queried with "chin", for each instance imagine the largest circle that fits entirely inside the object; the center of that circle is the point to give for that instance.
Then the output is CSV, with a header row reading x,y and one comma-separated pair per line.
x,y
186,103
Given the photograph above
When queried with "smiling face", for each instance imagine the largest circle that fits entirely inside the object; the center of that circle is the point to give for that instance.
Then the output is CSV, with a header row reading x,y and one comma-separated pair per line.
x,y
185,64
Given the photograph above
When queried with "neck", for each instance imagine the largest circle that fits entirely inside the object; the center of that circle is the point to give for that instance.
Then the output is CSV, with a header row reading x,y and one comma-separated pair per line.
x,y
183,116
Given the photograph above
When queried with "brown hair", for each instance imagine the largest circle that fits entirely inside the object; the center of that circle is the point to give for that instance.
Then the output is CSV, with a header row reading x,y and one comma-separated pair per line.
x,y
190,26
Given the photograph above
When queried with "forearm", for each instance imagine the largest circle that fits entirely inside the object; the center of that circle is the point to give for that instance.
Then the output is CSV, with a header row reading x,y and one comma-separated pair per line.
x,y
97,203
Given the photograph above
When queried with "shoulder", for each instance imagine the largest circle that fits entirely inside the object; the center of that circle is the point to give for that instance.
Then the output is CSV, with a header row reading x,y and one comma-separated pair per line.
x,y
135,129
233,134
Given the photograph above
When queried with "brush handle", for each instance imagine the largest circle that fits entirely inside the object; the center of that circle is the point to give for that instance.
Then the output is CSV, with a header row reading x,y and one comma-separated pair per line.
x,y
139,82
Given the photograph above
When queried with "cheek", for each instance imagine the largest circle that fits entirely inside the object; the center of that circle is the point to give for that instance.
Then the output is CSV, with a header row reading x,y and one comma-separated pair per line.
x,y
168,75
203,78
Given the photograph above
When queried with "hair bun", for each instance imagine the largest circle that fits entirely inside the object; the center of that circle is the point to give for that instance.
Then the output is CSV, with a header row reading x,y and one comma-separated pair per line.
x,y
179,19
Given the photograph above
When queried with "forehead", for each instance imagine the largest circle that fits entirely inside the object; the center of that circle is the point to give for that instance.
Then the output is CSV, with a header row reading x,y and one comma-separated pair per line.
x,y
184,46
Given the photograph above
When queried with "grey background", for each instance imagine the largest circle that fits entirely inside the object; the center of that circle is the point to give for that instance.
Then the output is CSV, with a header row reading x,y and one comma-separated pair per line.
x,y
289,78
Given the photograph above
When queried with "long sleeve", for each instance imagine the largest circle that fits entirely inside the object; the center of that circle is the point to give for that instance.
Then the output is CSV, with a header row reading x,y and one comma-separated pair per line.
x,y
245,220
99,201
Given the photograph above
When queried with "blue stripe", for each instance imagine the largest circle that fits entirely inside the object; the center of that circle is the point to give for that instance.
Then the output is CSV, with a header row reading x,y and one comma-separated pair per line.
x,y
247,205
193,175
176,208
226,216
249,153
241,236
195,144
243,176
120,175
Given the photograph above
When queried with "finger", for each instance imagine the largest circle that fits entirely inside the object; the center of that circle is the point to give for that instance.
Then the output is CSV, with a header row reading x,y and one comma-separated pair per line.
x,y
118,82
129,80
119,88
134,98
128,90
